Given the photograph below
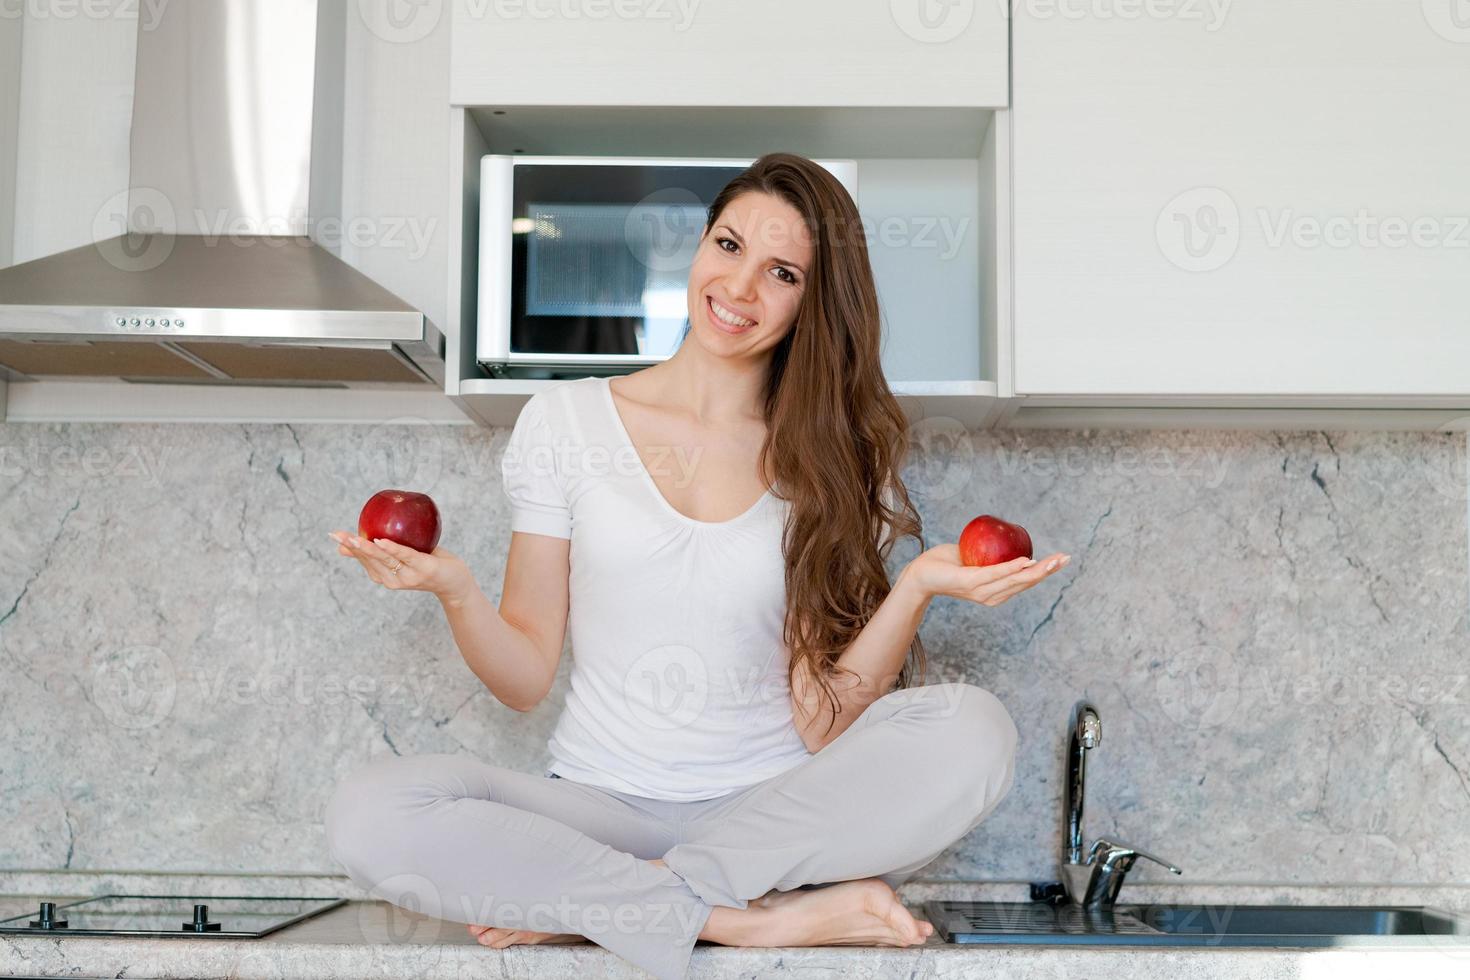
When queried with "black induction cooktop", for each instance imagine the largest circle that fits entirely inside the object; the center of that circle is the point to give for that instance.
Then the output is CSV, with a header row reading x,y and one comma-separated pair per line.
x,y
168,916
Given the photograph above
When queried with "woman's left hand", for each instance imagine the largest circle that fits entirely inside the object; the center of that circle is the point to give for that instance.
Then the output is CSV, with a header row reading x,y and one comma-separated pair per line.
x,y
939,571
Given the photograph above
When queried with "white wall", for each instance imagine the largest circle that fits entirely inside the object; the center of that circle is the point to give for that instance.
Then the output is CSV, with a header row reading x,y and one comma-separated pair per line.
x,y
11,29
75,118
76,99
395,161
924,234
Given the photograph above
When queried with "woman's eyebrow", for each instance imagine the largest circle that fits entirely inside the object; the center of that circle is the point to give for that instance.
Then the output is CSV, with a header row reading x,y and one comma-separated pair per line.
x,y
741,241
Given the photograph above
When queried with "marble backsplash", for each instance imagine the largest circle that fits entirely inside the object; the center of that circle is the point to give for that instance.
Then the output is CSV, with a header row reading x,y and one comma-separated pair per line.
x,y
1272,625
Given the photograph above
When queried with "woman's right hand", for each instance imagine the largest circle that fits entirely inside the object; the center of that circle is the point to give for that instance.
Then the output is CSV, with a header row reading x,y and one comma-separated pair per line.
x,y
395,566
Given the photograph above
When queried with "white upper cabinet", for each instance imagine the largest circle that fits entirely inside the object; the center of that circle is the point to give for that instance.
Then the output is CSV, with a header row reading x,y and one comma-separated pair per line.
x,y
1257,197
730,52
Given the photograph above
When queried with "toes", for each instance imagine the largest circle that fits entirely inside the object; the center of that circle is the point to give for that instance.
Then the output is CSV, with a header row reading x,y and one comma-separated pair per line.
x,y
906,928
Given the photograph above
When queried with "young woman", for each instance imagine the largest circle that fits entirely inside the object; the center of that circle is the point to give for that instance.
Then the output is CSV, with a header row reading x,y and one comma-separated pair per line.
x,y
742,724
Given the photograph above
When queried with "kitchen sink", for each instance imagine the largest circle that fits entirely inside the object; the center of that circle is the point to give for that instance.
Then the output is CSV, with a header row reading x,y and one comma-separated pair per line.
x,y
1196,924
1299,920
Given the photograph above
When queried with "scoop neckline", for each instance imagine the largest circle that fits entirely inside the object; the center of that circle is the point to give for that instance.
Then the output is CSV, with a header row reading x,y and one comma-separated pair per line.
x,y
647,477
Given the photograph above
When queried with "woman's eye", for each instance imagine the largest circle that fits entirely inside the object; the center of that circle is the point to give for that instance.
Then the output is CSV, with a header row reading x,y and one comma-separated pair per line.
x,y
785,275
722,242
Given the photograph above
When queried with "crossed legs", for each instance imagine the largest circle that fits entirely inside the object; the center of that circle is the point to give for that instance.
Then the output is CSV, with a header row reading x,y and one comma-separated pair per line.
x,y
480,844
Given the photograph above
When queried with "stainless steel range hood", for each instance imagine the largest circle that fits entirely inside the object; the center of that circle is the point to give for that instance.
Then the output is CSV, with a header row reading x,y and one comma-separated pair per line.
x,y
216,274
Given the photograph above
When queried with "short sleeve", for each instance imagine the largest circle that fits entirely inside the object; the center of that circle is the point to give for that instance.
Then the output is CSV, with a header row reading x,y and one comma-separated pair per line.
x,y
532,478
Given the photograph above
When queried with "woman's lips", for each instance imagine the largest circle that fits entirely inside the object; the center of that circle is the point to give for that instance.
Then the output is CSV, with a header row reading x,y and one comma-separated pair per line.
x,y
721,324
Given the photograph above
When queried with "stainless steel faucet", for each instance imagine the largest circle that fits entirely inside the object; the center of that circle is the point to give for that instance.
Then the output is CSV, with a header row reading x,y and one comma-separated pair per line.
x,y
1092,882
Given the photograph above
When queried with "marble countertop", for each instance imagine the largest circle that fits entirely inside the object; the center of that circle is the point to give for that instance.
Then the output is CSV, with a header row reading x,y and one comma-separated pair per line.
x,y
371,939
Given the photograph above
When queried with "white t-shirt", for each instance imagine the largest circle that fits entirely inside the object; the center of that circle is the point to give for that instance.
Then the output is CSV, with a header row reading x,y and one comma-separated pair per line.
x,y
678,682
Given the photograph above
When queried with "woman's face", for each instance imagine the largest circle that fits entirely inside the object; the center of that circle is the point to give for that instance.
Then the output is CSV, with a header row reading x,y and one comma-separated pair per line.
x,y
748,276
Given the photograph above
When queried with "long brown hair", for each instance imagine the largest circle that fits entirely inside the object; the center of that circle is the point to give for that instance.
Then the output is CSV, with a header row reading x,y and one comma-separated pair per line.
x,y
835,435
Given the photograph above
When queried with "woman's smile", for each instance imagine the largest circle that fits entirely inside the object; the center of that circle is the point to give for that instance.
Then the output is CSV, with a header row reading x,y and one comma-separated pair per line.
x,y
727,319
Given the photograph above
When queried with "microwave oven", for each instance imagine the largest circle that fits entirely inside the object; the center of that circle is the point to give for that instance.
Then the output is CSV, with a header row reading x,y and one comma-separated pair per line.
x,y
584,261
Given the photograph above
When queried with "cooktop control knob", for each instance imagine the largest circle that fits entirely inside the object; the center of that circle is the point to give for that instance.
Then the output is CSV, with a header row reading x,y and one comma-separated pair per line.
x,y
48,919
201,921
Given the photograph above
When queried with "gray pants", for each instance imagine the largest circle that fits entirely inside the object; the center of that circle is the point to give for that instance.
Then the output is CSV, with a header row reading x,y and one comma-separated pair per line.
x,y
461,840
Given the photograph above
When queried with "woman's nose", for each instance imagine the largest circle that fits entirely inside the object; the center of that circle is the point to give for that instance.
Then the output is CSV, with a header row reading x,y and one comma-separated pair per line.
x,y
742,283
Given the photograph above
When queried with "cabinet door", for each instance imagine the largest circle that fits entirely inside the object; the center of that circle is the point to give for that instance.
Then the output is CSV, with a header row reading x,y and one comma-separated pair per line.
x,y
1254,197
730,52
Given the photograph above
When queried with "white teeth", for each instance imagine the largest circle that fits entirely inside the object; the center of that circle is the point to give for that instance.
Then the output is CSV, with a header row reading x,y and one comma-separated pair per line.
x,y
728,317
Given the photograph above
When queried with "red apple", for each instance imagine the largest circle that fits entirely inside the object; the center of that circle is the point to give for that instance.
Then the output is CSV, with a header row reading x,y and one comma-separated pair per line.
x,y
409,518
990,541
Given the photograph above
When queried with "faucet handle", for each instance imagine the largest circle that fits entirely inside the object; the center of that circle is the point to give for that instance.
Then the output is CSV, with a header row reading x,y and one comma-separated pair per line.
x,y
1113,856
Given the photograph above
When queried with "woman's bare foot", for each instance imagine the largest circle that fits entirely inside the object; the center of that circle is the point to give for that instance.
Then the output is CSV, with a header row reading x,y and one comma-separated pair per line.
x,y
865,912
497,938
501,938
